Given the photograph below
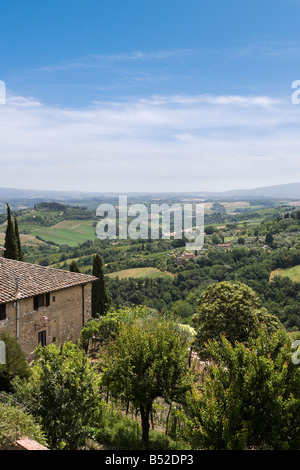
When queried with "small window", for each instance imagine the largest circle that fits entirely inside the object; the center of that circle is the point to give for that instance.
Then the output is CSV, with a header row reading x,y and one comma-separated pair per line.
x,y
53,298
2,312
42,337
41,301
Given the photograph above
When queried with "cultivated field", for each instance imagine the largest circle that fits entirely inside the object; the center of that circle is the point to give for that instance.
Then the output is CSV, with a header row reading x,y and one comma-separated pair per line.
x,y
140,272
68,232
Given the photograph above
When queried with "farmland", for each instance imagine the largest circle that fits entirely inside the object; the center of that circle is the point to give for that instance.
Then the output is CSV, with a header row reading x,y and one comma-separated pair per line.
x,y
158,273
140,272
62,225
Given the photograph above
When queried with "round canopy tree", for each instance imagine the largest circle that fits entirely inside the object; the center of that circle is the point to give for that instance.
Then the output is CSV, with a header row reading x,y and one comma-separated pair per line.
x,y
230,309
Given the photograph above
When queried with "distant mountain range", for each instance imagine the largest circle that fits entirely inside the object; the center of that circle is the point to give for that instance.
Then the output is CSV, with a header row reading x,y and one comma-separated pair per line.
x,y
280,191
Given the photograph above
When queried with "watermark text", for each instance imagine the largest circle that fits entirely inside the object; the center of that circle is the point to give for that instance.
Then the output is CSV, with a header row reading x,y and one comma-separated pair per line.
x,y
2,353
162,221
296,93
2,92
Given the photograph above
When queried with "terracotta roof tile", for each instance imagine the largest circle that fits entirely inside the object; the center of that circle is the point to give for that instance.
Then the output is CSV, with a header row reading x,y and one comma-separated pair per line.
x,y
19,280
28,444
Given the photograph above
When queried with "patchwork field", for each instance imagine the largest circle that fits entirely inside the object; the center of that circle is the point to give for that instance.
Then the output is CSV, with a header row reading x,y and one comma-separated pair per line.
x,y
69,232
140,272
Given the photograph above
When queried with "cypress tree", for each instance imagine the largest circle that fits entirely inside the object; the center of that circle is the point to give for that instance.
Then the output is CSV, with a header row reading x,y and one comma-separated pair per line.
x,y
269,239
100,297
10,238
18,241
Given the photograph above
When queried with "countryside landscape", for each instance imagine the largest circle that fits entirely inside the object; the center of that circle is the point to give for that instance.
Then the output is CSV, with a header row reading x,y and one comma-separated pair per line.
x,y
150,230
236,247
251,247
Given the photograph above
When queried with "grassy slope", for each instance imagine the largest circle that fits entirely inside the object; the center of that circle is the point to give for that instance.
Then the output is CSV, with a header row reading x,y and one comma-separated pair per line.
x,y
71,234
292,273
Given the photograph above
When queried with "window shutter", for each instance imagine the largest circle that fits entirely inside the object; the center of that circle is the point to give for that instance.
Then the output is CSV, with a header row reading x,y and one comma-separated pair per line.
x,y
36,302
2,311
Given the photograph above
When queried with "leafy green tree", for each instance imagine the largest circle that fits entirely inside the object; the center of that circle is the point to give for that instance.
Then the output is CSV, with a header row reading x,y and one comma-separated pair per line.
x,y
18,241
10,245
63,392
250,398
100,296
102,330
183,309
230,309
15,365
216,238
148,359
210,229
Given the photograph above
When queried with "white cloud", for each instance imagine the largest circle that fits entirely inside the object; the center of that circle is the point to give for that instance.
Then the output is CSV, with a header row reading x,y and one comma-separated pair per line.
x,y
164,143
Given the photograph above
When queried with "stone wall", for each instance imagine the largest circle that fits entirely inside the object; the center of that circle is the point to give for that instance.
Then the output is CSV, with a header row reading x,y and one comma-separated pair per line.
x,y
61,321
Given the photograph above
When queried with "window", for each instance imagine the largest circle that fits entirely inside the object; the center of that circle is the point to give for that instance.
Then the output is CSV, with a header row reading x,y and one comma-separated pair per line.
x,y
42,337
2,312
41,301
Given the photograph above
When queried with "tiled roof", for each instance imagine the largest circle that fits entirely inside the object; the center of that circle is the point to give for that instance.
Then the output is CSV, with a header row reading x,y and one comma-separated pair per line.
x,y
19,280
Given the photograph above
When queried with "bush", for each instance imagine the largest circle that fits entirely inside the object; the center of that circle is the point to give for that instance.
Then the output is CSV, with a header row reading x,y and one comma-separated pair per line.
x,y
63,392
16,423
16,364
117,431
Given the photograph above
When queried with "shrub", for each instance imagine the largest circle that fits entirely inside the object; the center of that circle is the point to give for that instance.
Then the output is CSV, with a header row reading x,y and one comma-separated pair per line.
x,y
16,364
16,423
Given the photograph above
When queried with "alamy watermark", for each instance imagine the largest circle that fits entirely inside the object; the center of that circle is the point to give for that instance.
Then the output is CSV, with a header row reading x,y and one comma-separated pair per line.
x,y
2,353
187,221
2,92
296,93
296,354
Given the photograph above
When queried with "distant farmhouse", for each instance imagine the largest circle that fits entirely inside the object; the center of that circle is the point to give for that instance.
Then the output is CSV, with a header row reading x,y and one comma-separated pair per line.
x,y
41,305
180,257
223,245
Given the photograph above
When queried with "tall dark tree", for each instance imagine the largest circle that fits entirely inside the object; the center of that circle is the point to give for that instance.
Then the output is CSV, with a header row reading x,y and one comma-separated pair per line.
x,y
18,241
100,297
74,267
269,239
10,238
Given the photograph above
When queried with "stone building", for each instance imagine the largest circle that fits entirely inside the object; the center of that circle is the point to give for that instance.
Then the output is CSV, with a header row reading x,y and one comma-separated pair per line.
x,y
41,305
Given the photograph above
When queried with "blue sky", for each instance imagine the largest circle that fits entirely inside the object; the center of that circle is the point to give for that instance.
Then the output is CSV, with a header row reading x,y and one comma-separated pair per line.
x,y
147,95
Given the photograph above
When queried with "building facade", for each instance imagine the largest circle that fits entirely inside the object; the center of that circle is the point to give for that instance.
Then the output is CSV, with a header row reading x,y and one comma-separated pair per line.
x,y
41,305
